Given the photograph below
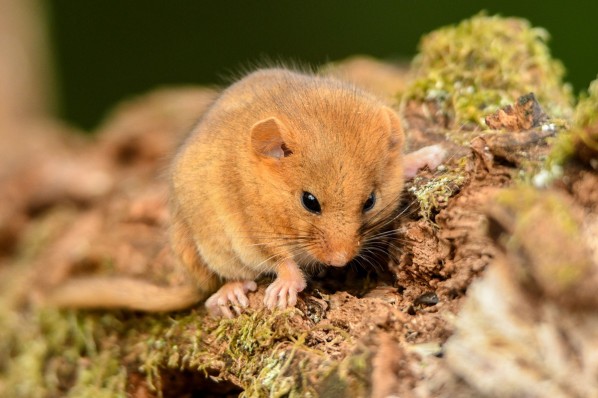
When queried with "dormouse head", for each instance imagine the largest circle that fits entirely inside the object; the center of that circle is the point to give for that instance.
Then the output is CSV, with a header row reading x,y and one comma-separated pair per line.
x,y
337,173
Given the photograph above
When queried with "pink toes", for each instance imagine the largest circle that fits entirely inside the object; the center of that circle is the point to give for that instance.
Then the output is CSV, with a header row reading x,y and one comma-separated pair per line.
x,y
283,293
431,156
230,295
230,300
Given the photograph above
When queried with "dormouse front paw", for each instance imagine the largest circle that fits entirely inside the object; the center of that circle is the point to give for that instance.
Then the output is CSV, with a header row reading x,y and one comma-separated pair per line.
x,y
282,293
231,294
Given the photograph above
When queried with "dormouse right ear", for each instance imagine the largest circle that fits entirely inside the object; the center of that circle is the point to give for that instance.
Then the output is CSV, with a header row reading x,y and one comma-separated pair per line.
x,y
267,138
397,137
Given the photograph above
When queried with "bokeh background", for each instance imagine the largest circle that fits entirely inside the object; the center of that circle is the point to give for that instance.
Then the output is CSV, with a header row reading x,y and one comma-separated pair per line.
x,y
105,51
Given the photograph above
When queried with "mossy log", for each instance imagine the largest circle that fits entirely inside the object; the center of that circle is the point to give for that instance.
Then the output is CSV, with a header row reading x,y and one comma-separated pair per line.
x,y
485,291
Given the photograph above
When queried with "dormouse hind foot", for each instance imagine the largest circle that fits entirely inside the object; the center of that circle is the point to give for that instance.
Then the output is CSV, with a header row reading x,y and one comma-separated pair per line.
x,y
431,156
231,294
282,293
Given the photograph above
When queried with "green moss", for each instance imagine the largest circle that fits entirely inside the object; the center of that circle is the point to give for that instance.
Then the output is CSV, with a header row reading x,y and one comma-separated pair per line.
x,y
63,354
583,132
484,63
272,380
585,116
563,147
69,353
254,350
436,191
586,112
261,347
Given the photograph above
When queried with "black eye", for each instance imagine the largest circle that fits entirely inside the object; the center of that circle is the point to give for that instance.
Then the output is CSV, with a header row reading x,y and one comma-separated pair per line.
x,y
310,203
370,202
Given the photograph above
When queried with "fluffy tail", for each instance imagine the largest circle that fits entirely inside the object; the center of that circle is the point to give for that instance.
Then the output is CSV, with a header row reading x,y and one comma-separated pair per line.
x,y
128,293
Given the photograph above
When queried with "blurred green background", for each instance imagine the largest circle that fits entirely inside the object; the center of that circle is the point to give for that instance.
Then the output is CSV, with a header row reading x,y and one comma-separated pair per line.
x,y
108,50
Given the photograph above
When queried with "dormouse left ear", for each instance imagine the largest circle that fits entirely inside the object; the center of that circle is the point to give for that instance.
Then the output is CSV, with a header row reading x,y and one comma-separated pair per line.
x,y
267,138
397,137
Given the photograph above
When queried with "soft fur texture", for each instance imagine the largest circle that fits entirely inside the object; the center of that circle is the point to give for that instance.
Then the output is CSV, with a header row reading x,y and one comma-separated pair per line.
x,y
238,181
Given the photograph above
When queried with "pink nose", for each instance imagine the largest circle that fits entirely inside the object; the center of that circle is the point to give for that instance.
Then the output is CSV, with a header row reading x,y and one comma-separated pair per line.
x,y
338,258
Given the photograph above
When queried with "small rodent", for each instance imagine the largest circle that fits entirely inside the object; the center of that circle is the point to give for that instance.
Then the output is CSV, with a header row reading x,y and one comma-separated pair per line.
x,y
284,171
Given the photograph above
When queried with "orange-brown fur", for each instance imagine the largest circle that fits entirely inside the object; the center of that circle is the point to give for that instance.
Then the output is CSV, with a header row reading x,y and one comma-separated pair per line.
x,y
238,180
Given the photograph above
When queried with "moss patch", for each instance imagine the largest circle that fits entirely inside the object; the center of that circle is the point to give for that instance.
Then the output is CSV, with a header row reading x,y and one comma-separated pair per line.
x,y
96,354
63,354
581,140
433,193
484,63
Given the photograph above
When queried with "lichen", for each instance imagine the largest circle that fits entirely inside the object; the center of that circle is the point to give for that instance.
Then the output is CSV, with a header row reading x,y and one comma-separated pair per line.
x,y
484,63
434,192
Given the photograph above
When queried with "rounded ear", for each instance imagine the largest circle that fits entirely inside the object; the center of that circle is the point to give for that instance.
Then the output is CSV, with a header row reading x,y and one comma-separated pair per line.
x,y
267,138
397,137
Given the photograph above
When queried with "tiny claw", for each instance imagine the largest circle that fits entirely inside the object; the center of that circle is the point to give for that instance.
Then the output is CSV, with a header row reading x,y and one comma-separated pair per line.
x,y
241,298
292,298
282,298
269,297
232,298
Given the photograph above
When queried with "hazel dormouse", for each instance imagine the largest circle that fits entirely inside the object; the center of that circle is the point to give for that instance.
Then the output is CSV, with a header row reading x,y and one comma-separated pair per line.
x,y
285,171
